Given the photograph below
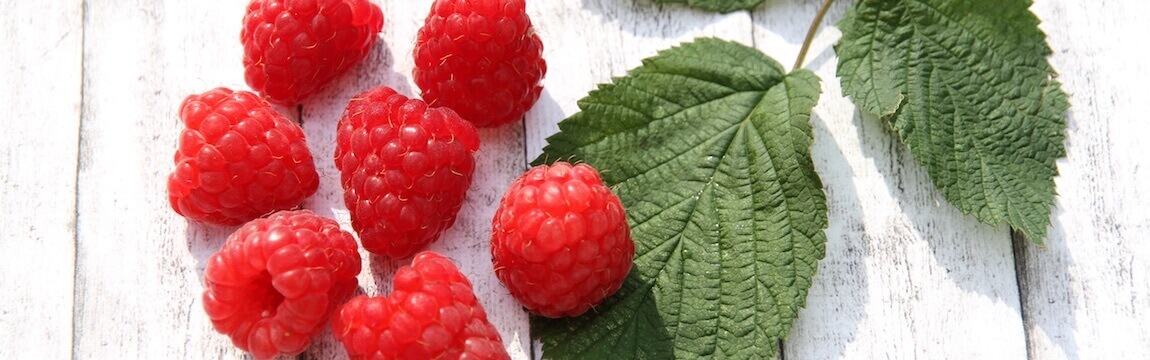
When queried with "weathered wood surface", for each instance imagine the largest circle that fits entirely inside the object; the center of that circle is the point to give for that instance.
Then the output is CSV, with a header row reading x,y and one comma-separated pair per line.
x,y
139,265
39,131
98,266
1086,294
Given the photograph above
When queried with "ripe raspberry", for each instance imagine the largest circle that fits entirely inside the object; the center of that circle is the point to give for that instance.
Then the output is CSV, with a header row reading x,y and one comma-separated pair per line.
x,y
480,58
560,241
274,284
293,48
432,313
238,160
405,169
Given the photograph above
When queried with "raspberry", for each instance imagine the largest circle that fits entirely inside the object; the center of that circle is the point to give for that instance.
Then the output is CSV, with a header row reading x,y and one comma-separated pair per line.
x,y
293,48
405,169
238,160
560,241
432,313
481,58
275,282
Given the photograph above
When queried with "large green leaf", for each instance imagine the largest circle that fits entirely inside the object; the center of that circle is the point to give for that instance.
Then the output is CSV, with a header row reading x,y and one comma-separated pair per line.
x,y
708,147
722,6
967,87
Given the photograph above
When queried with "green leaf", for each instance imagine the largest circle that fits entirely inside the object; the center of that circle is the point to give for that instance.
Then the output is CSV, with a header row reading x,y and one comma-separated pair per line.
x,y
708,147
721,6
967,87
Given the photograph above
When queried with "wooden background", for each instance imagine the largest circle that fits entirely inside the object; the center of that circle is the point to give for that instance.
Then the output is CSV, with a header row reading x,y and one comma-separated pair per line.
x,y
96,265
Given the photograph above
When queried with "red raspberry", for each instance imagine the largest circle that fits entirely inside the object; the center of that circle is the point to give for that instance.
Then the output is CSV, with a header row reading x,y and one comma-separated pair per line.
x,y
560,241
274,284
432,313
238,160
481,58
293,48
405,169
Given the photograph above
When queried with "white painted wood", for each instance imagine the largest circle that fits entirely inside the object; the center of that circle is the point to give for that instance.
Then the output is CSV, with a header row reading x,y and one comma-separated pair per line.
x,y
1086,294
499,161
586,42
905,275
140,265
39,136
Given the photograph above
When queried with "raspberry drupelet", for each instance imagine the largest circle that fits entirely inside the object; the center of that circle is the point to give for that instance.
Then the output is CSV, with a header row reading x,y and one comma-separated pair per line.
x,y
238,159
292,49
405,170
274,284
432,313
480,58
560,240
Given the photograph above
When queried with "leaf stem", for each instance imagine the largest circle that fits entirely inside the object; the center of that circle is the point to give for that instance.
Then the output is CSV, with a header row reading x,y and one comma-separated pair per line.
x,y
811,32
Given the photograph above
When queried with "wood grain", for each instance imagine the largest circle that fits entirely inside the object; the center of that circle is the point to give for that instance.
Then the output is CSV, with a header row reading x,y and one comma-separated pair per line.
x,y
96,265
40,83
140,265
1086,294
906,275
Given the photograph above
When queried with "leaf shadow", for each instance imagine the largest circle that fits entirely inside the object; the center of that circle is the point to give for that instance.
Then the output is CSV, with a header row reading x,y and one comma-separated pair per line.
x,y
888,215
834,307
837,302
646,19
783,24
541,122
974,257
1043,326
1041,298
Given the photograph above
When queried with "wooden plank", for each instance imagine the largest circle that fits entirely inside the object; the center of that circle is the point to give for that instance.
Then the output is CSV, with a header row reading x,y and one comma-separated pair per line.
x,y
140,265
1086,294
906,275
40,80
498,162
